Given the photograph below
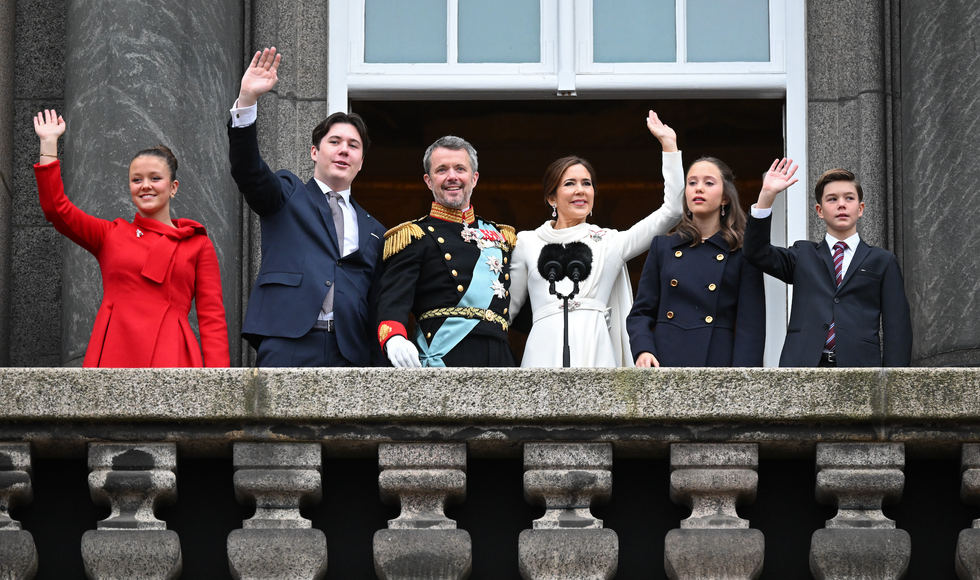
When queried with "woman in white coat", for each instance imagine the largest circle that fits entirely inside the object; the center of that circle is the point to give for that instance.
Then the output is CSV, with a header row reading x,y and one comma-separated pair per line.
x,y
597,314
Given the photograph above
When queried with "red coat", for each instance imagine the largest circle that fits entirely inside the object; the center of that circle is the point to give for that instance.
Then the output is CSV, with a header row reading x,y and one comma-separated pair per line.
x,y
150,274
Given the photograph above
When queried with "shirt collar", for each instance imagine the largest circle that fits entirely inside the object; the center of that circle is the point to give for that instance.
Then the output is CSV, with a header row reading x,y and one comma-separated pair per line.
x,y
852,242
325,188
449,214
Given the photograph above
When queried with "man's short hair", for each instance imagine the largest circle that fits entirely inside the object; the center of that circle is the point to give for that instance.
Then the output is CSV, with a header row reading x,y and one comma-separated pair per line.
x,y
450,142
352,119
832,175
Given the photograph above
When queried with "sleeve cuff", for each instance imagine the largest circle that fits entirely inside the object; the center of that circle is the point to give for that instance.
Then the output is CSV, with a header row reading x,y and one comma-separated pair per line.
x,y
760,213
390,328
243,117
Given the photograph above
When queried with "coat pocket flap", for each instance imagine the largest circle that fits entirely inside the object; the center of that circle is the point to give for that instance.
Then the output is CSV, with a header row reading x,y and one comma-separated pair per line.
x,y
284,278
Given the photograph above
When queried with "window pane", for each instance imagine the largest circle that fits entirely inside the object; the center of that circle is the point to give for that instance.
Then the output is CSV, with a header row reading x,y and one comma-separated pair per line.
x,y
405,31
728,30
499,31
633,31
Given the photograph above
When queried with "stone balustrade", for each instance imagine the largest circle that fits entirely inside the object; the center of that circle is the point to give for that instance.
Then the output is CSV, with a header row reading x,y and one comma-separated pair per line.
x,y
280,430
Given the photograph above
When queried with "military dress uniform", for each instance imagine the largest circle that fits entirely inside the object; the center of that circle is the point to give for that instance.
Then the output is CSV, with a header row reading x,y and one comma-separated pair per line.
x,y
451,270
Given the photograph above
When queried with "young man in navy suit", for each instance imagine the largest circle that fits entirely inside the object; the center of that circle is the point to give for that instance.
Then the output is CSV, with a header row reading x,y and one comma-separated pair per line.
x,y
313,300
844,290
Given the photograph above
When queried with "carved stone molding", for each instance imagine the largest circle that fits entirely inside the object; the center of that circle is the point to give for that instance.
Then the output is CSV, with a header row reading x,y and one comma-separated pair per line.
x,y
18,556
968,544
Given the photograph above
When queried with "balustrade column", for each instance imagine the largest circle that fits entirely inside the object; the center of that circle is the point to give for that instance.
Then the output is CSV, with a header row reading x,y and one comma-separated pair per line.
x,y
277,543
968,544
422,542
860,543
714,543
18,556
133,480
568,542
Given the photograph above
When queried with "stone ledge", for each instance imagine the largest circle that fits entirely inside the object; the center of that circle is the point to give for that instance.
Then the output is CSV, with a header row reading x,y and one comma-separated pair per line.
x,y
479,395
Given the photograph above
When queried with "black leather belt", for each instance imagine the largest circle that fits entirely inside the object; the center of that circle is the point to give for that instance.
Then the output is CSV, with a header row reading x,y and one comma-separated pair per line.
x,y
323,325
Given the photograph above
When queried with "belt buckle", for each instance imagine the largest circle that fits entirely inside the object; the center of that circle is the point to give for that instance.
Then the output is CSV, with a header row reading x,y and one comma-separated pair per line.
x,y
488,315
832,358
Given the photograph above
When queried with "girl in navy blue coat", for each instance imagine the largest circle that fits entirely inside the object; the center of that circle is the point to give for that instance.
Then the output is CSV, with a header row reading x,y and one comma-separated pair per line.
x,y
699,302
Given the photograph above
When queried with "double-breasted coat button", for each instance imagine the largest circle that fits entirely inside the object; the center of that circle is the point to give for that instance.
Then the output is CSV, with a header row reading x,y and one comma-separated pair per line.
x,y
328,283
836,300
826,327
455,273
460,288
670,314
505,311
720,257
428,335
431,229
441,241
449,256
678,254
505,260
708,319
506,276
673,282
712,287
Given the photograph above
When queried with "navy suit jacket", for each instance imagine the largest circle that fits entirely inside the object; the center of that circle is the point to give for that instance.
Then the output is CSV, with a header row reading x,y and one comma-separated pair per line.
x,y
301,257
871,296
698,307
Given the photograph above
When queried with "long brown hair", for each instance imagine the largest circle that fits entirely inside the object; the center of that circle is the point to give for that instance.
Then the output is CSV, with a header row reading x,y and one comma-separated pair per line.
x,y
555,171
732,223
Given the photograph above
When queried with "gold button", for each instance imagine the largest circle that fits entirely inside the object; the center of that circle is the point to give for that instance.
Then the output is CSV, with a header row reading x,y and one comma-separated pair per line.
x,y
455,273
506,294
673,282
670,314
505,260
449,257
720,257
431,229
428,335
678,254
708,319
460,288
441,241
506,276
711,287
505,311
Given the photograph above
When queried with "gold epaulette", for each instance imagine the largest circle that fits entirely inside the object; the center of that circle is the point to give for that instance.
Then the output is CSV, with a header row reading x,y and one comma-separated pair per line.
x,y
510,234
400,236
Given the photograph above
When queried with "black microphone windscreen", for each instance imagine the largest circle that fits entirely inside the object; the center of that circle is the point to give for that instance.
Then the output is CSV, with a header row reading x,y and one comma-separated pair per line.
x,y
551,253
581,252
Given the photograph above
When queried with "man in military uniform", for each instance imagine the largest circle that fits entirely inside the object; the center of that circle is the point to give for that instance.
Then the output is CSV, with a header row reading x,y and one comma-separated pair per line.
x,y
449,269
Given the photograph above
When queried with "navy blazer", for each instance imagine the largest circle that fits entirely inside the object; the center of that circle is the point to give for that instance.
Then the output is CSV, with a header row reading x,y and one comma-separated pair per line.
x,y
871,296
698,307
301,257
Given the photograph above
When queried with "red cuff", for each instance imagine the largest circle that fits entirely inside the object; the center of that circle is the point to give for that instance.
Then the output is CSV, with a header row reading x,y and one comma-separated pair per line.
x,y
390,328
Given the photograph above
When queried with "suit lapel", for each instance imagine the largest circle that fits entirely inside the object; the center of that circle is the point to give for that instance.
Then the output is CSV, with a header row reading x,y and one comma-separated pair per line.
x,y
824,251
320,200
863,251
363,221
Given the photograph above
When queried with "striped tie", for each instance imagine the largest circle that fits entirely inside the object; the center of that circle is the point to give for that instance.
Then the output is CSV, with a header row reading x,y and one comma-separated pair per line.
x,y
839,248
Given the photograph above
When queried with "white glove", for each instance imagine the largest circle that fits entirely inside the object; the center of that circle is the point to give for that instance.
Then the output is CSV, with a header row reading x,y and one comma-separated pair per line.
x,y
401,352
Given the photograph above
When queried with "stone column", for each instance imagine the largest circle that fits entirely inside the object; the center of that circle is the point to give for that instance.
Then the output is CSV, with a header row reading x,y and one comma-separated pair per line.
x,y
941,107
6,168
568,542
277,543
714,543
18,557
132,479
860,543
968,545
422,542
139,74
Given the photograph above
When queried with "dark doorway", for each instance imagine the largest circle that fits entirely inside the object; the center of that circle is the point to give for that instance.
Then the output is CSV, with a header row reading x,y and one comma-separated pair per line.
x,y
517,140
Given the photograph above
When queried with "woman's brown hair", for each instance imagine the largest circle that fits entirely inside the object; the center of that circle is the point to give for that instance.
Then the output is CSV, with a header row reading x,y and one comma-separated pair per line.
x,y
555,171
161,152
732,222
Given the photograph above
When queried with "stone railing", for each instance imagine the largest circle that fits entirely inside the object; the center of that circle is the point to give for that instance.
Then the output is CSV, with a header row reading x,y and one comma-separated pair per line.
x,y
275,426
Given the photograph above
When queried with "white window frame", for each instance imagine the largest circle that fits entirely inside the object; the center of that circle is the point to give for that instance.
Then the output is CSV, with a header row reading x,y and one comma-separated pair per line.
x,y
566,69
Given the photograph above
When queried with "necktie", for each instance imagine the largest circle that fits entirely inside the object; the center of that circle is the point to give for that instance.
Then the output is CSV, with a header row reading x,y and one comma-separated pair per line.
x,y
338,221
839,248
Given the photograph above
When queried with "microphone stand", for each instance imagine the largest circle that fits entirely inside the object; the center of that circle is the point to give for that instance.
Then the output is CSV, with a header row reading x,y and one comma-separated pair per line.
x,y
566,352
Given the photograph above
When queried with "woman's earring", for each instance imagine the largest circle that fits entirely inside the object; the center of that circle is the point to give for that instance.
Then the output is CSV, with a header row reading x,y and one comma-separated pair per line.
x,y
722,211
554,211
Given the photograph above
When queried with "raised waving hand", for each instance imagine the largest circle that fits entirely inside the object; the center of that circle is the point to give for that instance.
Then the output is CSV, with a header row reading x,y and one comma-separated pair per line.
x,y
49,125
663,132
260,76
777,179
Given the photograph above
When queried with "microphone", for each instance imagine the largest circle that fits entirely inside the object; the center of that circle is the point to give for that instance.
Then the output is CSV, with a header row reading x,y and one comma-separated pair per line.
x,y
579,261
550,262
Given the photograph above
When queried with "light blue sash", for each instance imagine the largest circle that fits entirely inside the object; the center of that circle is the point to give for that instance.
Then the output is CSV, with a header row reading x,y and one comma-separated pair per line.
x,y
454,329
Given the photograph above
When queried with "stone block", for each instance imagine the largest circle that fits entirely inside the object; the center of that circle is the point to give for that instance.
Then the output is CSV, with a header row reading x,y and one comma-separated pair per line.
x,y
132,479
277,554
561,554
422,554
860,554
422,456
567,456
713,554
713,455
131,554
968,554
18,556
859,478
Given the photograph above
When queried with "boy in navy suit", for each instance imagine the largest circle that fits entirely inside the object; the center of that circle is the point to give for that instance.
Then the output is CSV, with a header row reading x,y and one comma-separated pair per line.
x,y
844,290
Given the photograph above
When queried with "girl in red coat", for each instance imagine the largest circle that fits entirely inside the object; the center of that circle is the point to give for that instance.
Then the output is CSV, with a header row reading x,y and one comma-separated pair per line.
x,y
152,268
